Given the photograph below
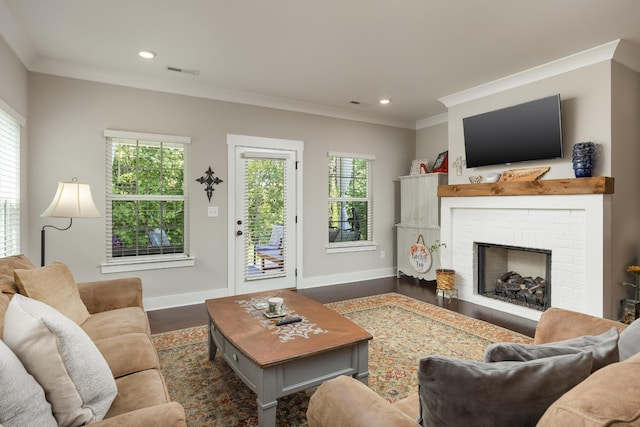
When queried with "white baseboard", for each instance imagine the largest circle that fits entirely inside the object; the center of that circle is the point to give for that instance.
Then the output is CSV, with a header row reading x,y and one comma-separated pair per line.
x,y
336,279
179,300
191,298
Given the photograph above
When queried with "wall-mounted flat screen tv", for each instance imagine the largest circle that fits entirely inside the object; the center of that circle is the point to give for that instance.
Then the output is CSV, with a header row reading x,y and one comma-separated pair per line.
x,y
528,131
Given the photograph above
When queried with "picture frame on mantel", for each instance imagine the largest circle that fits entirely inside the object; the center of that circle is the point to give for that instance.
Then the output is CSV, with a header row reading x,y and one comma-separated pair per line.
x,y
442,163
419,167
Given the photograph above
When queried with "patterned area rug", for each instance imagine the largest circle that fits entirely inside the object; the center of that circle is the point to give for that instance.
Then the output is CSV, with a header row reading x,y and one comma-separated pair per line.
x,y
404,330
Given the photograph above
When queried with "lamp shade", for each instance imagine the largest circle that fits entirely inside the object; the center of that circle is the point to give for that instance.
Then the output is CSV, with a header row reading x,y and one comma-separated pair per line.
x,y
72,200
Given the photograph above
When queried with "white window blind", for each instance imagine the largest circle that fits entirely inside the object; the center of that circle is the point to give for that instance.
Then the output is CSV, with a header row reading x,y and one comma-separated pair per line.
x,y
265,204
146,197
9,185
350,199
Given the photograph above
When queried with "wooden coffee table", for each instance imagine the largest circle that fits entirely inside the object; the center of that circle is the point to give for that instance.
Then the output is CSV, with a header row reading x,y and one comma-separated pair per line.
x,y
276,361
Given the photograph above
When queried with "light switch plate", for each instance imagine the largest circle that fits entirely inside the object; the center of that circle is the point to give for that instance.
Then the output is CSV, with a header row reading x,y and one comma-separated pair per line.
x,y
212,211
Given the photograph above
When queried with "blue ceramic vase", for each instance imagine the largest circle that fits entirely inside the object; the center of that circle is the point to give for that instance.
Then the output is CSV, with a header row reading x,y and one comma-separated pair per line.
x,y
583,157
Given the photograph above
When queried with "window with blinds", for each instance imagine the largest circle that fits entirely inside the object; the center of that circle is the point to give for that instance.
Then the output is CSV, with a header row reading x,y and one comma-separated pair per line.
x,y
9,185
146,196
350,199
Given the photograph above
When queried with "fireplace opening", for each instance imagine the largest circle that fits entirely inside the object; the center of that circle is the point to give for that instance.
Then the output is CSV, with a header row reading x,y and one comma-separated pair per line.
x,y
517,275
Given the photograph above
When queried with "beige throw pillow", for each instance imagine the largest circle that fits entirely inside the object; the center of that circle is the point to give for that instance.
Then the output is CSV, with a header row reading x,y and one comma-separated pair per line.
x,y
61,357
55,286
7,266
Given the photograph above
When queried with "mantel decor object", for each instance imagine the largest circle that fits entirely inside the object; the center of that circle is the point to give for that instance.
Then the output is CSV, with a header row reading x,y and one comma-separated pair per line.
x,y
525,174
583,158
209,180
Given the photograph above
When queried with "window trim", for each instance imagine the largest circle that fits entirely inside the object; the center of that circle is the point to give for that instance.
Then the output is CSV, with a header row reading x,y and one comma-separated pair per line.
x,y
359,245
147,262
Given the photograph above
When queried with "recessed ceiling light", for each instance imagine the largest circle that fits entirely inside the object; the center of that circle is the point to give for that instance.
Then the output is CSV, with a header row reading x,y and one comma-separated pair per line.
x,y
385,101
147,54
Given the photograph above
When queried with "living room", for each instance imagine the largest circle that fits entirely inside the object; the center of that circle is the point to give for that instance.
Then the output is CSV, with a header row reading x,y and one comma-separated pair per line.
x,y
309,78
66,113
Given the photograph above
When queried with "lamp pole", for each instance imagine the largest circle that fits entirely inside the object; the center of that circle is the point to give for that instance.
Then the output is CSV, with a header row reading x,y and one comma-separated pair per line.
x,y
42,239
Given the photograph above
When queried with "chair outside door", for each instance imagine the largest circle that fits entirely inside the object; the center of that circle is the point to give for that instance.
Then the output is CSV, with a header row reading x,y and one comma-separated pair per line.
x,y
271,255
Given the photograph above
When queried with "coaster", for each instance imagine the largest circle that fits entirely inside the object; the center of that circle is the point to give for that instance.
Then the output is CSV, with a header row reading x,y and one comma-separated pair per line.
x,y
276,315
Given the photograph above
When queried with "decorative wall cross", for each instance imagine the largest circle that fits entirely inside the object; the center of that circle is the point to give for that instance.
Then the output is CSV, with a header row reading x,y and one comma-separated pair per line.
x,y
209,180
459,163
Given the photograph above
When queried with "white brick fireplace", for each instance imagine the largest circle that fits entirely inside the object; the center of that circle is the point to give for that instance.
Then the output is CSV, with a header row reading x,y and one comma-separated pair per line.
x,y
570,226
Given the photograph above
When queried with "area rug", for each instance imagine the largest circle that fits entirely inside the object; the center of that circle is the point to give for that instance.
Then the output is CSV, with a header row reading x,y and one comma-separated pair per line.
x,y
404,330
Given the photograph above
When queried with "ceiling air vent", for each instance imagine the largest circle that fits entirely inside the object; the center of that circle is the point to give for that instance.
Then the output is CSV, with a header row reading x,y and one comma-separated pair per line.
x,y
184,70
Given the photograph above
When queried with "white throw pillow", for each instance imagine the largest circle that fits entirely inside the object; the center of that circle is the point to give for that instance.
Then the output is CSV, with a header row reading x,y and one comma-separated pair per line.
x,y
22,401
76,378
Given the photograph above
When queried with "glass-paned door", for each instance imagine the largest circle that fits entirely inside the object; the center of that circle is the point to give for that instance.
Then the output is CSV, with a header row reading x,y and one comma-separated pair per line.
x,y
265,219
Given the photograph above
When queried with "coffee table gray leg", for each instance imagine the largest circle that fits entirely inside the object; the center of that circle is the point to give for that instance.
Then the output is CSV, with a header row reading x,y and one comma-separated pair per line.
x,y
267,413
267,402
363,363
212,345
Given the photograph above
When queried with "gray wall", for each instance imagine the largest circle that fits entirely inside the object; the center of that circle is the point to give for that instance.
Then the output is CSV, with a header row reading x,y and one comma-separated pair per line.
x,y
13,84
431,141
67,120
624,244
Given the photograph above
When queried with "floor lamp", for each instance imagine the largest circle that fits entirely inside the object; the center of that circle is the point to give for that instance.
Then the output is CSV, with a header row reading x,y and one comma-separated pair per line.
x,y
72,200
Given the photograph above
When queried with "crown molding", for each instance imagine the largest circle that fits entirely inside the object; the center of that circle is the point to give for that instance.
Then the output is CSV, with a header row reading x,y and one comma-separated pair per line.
x,y
628,55
432,121
572,62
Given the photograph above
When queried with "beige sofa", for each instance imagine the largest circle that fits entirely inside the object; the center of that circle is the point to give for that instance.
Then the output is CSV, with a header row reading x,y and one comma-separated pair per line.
x,y
608,397
119,328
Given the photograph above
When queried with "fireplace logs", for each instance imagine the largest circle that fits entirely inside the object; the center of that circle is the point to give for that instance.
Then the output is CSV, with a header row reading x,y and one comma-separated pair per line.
x,y
527,281
514,288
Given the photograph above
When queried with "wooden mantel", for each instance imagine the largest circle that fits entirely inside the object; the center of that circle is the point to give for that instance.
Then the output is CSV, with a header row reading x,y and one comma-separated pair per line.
x,y
593,185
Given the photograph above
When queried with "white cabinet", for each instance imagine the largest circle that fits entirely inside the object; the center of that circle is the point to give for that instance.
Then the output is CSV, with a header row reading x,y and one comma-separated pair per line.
x,y
419,216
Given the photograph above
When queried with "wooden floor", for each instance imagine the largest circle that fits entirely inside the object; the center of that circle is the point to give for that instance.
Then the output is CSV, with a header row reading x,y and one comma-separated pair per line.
x,y
196,315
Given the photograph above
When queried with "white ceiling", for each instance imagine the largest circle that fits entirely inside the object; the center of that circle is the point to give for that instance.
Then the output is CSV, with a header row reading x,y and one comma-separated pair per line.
x,y
312,56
